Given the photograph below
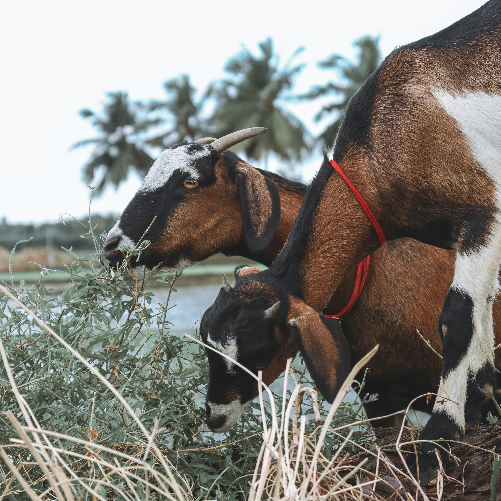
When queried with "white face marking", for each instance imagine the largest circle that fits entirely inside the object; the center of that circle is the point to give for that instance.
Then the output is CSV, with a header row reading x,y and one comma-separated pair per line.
x,y
126,244
230,349
232,412
168,162
478,115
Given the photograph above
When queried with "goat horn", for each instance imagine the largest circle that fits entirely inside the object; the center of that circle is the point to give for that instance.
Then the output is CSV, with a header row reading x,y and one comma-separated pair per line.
x,y
205,140
225,142
226,283
272,311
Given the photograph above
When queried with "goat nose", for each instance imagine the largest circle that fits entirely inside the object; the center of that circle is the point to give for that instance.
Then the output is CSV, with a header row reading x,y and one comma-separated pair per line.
x,y
111,243
216,423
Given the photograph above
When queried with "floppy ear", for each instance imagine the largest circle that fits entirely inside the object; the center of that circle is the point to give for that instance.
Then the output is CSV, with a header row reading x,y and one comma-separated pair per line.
x,y
323,346
260,207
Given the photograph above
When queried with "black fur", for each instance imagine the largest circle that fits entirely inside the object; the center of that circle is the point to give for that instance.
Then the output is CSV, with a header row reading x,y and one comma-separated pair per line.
x,y
475,395
444,228
341,366
257,344
355,128
162,202
457,317
484,21
440,428
286,265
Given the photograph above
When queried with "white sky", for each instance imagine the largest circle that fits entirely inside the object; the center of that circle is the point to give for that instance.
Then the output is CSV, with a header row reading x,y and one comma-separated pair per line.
x,y
59,56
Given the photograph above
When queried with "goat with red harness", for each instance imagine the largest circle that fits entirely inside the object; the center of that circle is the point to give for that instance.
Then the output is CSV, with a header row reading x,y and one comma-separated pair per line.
x,y
421,141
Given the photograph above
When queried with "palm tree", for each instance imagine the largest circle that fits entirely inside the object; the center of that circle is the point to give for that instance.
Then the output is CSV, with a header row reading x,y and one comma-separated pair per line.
x,y
352,76
119,145
253,97
184,122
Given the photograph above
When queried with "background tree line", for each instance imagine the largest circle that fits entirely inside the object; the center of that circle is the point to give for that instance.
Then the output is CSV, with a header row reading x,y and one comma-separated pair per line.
x,y
256,92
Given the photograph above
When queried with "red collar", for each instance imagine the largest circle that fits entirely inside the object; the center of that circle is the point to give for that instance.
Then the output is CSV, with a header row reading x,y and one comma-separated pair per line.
x,y
363,266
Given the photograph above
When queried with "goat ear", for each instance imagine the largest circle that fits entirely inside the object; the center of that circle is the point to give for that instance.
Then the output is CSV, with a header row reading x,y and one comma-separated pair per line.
x,y
323,346
243,270
260,207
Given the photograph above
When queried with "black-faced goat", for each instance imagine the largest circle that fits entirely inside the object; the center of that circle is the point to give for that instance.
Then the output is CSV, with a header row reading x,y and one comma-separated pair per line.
x,y
421,142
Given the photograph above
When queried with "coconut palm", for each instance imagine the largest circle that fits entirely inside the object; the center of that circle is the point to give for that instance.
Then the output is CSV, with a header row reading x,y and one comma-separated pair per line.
x,y
179,112
351,78
254,96
119,145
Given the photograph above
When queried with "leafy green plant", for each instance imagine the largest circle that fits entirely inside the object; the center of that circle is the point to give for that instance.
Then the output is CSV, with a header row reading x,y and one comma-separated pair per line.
x,y
111,321
108,317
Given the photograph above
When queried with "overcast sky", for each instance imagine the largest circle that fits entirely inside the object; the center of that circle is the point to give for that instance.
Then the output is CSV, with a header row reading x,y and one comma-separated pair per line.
x,y
59,56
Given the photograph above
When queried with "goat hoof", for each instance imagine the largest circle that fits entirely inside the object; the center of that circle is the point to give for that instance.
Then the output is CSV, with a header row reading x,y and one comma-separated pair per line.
x,y
427,460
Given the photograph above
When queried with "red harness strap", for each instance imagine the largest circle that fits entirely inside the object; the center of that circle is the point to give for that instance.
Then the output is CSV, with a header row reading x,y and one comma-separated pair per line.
x,y
363,266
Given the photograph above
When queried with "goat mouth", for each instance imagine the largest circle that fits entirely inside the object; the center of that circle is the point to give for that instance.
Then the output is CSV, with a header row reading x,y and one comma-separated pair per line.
x,y
150,260
115,257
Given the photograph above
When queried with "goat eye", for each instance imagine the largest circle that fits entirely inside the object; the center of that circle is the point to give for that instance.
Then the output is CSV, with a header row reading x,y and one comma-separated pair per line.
x,y
190,184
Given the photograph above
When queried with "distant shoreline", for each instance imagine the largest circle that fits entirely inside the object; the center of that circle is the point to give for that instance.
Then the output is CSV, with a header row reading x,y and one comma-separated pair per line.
x,y
58,276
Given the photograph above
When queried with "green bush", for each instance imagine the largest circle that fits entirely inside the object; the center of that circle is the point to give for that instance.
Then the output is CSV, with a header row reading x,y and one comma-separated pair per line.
x,y
107,316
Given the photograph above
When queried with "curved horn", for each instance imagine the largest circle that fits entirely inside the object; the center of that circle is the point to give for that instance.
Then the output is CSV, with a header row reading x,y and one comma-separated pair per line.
x,y
226,283
205,140
272,310
225,142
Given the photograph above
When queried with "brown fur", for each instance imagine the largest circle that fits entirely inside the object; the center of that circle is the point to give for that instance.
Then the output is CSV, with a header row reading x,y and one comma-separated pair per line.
x,y
199,228
259,197
317,341
247,270
249,289
428,139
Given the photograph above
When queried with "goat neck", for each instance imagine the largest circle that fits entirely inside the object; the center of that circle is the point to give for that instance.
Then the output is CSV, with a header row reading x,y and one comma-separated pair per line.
x,y
330,236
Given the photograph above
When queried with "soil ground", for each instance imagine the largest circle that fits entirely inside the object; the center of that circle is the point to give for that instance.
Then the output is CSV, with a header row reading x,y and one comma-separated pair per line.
x,y
469,475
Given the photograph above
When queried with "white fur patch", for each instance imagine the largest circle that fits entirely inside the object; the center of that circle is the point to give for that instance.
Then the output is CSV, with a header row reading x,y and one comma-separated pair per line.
x,y
476,274
478,115
232,412
168,162
125,244
230,349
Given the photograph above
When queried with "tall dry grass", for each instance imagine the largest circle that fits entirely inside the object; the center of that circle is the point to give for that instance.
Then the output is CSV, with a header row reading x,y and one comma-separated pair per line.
x,y
31,258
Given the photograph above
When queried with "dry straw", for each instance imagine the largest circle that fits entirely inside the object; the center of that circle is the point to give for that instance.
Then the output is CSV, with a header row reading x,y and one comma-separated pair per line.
x,y
291,466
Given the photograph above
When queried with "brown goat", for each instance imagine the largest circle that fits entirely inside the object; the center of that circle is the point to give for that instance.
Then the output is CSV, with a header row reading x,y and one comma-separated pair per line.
x,y
421,141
